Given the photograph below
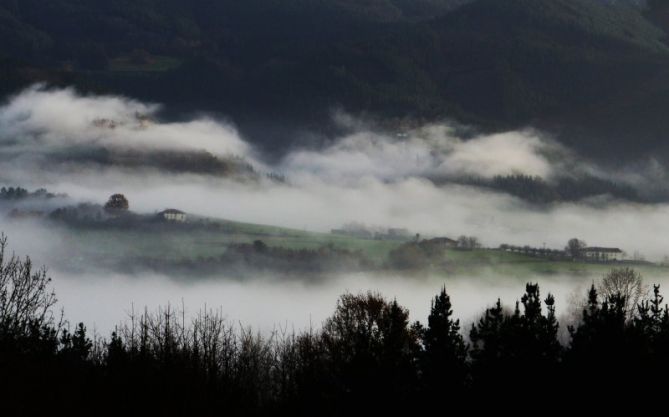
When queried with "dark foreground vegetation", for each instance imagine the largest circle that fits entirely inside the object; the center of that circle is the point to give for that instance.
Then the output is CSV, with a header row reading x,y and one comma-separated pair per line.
x,y
366,358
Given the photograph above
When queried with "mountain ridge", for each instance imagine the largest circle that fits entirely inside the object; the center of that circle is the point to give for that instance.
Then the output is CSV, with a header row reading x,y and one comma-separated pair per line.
x,y
592,72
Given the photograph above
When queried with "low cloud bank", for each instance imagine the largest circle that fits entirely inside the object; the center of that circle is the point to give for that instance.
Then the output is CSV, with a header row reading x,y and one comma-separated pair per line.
x,y
369,177
105,301
400,179
431,152
42,120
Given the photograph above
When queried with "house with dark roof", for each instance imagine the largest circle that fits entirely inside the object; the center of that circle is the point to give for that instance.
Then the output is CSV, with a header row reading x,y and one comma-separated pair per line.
x,y
598,253
438,245
443,242
172,215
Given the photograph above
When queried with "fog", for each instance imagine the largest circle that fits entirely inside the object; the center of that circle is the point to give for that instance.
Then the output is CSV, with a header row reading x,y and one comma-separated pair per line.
x,y
102,302
366,176
428,152
370,176
40,120
265,305
103,299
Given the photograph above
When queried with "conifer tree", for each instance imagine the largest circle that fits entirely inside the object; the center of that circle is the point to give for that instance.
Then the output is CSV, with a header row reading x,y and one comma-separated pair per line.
x,y
444,358
515,345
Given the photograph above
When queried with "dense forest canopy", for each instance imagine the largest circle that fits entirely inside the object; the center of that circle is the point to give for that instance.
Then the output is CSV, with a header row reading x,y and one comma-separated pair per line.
x,y
598,67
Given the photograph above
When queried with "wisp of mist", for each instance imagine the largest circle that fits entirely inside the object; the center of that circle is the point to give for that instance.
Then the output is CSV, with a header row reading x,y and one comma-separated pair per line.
x,y
368,176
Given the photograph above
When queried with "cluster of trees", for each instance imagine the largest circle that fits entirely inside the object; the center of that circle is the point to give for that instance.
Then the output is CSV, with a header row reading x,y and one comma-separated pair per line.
x,y
368,357
12,193
537,190
575,249
428,253
417,255
468,243
117,203
168,161
258,256
114,213
242,260
20,193
534,251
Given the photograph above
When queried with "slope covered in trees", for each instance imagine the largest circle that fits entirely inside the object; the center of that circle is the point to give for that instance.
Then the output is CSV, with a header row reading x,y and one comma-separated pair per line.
x,y
593,71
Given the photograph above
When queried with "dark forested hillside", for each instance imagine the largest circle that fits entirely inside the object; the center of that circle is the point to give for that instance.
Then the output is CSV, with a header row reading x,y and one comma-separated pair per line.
x,y
593,71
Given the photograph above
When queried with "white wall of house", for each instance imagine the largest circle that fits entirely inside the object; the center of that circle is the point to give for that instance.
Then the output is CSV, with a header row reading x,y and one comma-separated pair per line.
x,y
605,256
175,217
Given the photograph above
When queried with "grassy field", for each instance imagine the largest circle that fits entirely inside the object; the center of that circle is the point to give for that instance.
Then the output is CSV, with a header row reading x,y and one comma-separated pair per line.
x,y
212,237
193,243
525,267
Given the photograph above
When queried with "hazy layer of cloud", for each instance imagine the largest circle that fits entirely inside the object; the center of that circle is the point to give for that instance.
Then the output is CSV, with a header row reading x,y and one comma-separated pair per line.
x,y
433,151
368,177
417,205
40,120
266,305
102,299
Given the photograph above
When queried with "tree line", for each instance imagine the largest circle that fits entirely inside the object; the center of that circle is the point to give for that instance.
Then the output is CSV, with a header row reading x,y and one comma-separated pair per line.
x,y
367,357
248,259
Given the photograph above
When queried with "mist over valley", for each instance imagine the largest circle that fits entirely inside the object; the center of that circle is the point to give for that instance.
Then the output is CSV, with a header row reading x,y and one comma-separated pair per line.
x,y
335,207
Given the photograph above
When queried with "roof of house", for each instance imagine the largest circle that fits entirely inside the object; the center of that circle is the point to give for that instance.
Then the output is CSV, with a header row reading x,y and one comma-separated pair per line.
x,y
601,249
442,240
171,211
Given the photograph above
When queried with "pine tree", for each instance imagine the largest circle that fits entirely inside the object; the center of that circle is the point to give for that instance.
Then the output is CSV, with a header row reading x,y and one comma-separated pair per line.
x,y
517,346
443,362
81,344
607,344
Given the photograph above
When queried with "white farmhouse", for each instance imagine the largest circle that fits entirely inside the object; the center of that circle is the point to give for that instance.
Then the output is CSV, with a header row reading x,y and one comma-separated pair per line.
x,y
603,254
173,215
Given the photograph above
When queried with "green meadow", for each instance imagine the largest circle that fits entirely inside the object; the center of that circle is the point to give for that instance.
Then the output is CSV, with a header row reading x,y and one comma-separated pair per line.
x,y
211,238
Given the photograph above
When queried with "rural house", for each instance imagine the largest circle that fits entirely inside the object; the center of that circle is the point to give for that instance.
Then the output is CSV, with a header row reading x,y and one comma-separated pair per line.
x,y
173,215
444,242
597,253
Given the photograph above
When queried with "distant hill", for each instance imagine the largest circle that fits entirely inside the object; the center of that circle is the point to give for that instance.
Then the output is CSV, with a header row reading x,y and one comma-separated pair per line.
x,y
595,72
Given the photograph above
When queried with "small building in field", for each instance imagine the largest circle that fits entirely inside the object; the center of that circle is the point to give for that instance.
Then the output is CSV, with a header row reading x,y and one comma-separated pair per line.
x,y
444,242
597,253
438,246
173,215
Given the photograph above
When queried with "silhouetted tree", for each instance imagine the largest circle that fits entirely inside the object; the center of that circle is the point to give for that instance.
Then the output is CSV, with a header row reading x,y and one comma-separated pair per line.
x,y
574,248
514,345
627,283
468,242
117,202
371,349
443,362
76,347
606,344
26,298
